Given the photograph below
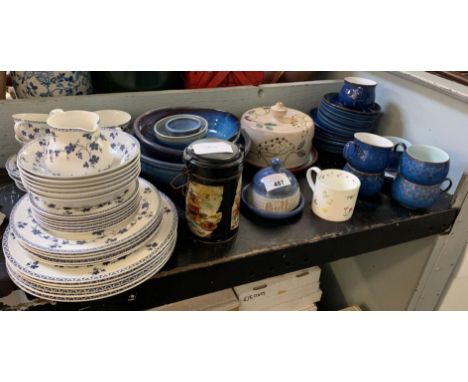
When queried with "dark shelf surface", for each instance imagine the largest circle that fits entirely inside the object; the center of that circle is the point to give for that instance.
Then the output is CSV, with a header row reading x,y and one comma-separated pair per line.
x,y
264,249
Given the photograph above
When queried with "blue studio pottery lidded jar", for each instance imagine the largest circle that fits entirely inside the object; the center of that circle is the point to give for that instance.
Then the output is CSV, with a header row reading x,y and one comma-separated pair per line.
x,y
274,189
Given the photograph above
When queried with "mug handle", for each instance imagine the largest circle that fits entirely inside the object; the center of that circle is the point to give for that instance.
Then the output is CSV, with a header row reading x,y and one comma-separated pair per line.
x,y
398,145
17,127
448,185
309,176
349,149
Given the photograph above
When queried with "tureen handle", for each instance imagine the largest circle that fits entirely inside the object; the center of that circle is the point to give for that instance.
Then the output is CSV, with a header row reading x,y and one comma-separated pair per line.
x,y
279,110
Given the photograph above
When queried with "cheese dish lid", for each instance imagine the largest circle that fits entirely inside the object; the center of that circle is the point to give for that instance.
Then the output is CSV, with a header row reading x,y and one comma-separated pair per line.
x,y
277,118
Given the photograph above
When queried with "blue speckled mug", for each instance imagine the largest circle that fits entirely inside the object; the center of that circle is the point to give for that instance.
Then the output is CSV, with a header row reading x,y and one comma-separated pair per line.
x,y
424,164
369,152
357,93
371,184
417,196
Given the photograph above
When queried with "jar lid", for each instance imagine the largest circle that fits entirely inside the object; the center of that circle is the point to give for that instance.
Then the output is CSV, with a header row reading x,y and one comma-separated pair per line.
x,y
276,118
275,181
212,154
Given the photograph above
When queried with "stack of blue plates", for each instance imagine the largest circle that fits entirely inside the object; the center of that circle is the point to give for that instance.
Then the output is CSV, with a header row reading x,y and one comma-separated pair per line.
x,y
336,124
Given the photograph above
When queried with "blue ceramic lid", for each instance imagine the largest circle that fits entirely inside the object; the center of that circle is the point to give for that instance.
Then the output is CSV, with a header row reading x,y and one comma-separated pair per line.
x,y
275,181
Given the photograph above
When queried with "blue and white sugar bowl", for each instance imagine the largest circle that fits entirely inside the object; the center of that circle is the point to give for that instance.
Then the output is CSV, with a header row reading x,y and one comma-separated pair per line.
x,y
274,190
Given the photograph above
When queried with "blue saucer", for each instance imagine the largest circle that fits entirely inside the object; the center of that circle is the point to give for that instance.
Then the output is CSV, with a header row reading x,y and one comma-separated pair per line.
x,y
332,99
271,215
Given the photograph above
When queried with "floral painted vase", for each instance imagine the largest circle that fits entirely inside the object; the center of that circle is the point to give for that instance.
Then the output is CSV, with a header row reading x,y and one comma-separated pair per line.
x,y
50,84
278,131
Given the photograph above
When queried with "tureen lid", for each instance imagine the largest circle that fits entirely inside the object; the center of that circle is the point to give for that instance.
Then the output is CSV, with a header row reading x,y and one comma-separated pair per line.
x,y
277,118
275,181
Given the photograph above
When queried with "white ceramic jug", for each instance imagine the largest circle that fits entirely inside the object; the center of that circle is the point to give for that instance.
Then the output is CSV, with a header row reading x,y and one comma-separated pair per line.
x,y
75,146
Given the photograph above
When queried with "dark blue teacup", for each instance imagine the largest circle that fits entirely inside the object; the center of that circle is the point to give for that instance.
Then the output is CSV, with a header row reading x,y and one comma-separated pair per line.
x,y
369,152
424,164
394,160
417,196
357,93
371,184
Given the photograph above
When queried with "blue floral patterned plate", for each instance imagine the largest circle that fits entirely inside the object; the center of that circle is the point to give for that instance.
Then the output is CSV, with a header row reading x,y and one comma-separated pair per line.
x,y
98,281
35,238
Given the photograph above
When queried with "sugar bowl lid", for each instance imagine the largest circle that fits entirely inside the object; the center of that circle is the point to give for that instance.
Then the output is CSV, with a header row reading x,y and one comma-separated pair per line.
x,y
275,181
277,118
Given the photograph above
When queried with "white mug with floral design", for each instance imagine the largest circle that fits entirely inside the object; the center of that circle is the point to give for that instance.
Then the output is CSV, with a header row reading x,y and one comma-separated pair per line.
x,y
334,193
75,146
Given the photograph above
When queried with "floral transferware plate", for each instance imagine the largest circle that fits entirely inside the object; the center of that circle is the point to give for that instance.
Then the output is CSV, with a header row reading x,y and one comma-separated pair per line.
x,y
63,213
101,291
12,167
87,221
124,149
115,180
90,226
83,286
35,238
54,211
79,183
25,263
97,286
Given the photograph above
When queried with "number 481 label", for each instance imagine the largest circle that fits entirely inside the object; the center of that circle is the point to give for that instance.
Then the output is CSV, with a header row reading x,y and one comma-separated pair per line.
x,y
275,181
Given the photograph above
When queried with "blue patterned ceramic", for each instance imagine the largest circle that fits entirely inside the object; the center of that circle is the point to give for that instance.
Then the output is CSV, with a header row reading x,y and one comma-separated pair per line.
x,y
332,100
274,189
395,155
416,196
368,152
268,214
357,93
161,172
371,184
180,130
221,125
424,164
51,84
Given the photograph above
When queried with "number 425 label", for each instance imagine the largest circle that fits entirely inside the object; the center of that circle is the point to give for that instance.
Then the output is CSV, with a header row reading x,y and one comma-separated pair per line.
x,y
275,181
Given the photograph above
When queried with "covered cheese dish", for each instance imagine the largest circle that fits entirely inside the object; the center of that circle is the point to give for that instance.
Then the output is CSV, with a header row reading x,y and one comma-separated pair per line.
x,y
278,131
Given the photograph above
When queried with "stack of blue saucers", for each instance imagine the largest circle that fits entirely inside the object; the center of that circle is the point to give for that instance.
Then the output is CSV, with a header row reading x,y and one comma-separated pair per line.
x,y
336,124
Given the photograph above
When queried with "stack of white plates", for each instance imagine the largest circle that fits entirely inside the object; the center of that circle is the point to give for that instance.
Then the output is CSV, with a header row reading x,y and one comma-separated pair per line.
x,y
91,236
13,171
52,194
98,280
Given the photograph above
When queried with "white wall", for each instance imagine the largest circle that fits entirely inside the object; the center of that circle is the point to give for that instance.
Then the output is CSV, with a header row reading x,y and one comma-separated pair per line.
x,y
424,115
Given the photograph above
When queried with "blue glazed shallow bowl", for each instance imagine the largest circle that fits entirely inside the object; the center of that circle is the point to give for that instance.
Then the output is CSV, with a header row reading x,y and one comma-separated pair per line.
x,y
416,196
424,164
167,173
221,124
371,184
180,130
172,174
